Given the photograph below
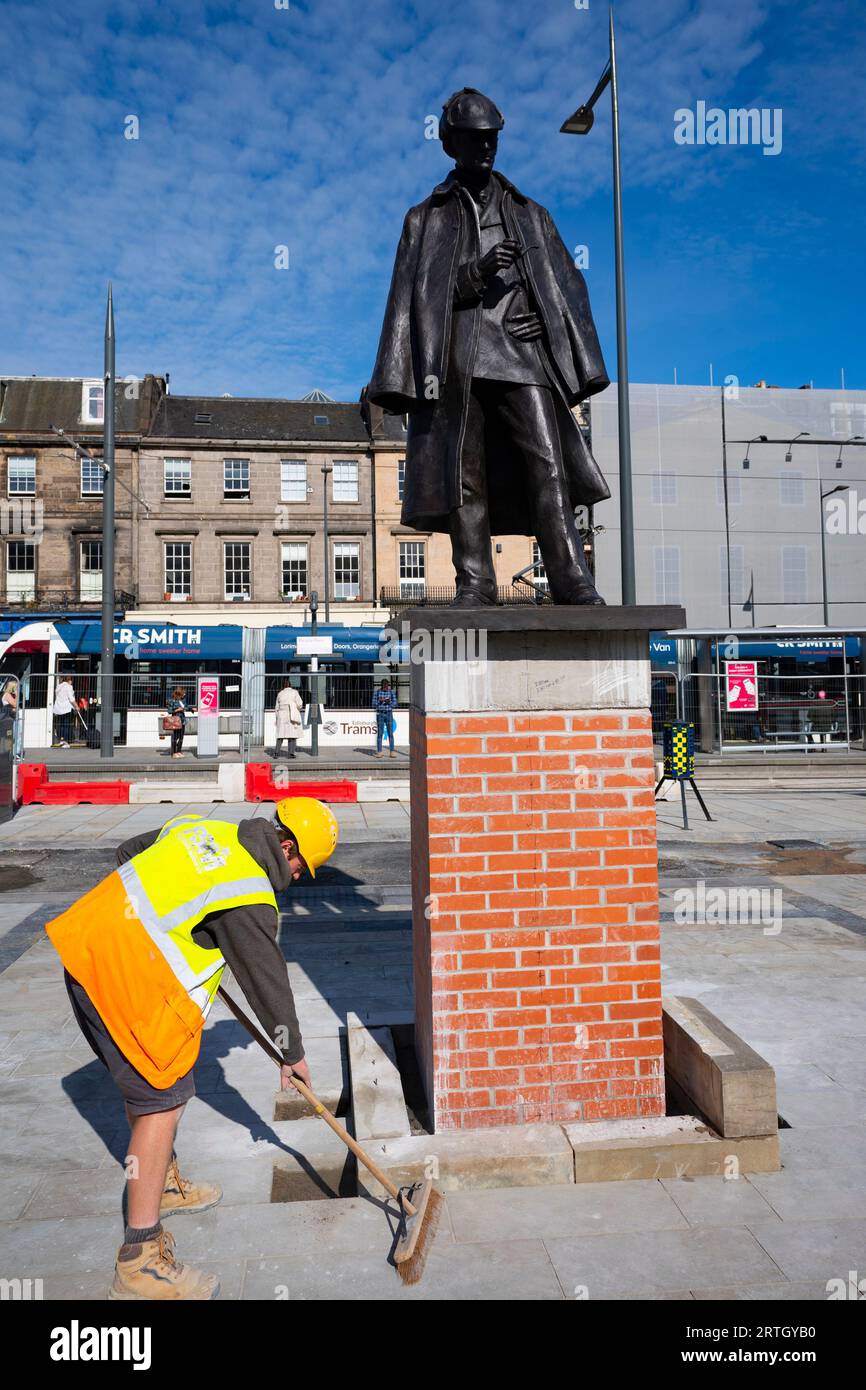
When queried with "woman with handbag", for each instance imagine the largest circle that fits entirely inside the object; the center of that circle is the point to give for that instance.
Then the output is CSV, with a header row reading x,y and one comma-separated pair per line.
x,y
175,723
289,710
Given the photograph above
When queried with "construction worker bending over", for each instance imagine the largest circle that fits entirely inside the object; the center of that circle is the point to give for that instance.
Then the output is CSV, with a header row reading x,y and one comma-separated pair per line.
x,y
143,953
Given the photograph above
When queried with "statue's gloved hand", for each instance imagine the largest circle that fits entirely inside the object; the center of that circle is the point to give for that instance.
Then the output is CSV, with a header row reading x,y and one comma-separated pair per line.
x,y
499,257
526,327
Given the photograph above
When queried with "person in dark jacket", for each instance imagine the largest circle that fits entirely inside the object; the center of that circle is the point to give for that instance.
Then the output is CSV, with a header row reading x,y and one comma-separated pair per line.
x,y
487,344
177,708
384,704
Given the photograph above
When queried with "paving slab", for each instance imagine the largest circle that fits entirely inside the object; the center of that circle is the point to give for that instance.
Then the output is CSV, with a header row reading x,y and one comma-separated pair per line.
x,y
825,1108
289,1229
766,1293
819,1194
717,1201
513,1270
517,1213
647,1262
813,1250
837,1146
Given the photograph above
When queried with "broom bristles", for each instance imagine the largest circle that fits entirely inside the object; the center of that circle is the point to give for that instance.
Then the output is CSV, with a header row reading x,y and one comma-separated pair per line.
x,y
411,1268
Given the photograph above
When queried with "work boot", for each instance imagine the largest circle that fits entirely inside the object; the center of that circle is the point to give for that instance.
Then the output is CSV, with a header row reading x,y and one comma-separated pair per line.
x,y
150,1271
181,1195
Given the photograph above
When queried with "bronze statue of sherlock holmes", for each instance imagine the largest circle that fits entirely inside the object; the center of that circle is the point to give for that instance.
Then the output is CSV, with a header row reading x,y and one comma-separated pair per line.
x,y
488,341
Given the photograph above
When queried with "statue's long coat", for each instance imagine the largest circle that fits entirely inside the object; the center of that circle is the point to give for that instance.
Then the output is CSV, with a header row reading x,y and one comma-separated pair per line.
x,y
426,351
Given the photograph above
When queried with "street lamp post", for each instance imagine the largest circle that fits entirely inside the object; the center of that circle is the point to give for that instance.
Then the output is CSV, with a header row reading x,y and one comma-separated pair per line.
x,y
106,737
580,123
326,469
842,487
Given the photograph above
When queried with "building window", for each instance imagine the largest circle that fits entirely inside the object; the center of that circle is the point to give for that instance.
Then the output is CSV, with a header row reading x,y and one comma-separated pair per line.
x,y
293,481
21,477
539,574
92,477
236,478
735,489
237,569
347,569
345,482
738,574
90,570
93,402
664,489
178,568
412,569
791,489
20,571
177,477
666,560
401,479
794,574
295,580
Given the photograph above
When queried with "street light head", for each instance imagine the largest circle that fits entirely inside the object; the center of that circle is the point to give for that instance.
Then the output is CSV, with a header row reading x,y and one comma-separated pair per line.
x,y
580,123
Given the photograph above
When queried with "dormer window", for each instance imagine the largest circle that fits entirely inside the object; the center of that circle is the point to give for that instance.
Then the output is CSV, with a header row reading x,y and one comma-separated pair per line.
x,y
93,402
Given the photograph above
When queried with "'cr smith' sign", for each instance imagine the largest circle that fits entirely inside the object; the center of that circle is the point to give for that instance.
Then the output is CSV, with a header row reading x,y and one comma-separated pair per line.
x,y
157,636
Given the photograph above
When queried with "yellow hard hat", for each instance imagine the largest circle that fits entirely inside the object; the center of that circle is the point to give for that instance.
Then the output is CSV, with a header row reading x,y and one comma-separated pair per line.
x,y
313,825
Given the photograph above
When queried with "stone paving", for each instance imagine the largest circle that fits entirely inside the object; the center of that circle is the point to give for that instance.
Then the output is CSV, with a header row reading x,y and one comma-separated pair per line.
x,y
795,995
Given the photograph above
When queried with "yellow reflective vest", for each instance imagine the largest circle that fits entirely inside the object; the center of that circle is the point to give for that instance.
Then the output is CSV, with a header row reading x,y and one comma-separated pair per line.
x,y
129,941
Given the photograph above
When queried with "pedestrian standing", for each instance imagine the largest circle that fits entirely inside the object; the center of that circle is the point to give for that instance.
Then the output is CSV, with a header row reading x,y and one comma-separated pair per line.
x,y
9,699
64,707
289,709
177,710
384,702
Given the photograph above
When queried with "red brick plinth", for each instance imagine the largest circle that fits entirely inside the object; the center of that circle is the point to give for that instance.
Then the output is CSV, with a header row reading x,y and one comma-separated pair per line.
x,y
535,911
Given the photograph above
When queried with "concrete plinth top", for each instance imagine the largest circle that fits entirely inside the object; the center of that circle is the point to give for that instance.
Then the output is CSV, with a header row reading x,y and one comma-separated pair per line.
x,y
547,617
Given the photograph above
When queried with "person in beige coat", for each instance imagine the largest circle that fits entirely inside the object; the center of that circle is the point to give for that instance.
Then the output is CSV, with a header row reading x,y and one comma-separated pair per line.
x,y
289,710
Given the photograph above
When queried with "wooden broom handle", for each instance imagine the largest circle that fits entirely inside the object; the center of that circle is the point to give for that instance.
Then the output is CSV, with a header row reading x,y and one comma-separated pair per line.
x,y
310,1096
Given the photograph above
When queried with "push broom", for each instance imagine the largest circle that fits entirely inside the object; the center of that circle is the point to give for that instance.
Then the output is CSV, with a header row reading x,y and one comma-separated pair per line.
x,y
417,1222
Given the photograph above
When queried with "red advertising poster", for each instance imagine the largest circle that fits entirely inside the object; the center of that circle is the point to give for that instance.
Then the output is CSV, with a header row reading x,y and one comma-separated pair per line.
x,y
741,685
208,697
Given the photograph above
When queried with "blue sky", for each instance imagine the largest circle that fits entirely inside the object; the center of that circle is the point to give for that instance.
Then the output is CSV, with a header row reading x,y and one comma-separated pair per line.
x,y
305,126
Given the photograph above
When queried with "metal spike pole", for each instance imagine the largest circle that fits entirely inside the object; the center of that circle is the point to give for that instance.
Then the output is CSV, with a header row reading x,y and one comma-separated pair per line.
x,y
106,738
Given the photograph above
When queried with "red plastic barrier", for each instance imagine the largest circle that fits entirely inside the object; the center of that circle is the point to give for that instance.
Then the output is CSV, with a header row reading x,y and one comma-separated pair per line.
x,y
260,786
33,785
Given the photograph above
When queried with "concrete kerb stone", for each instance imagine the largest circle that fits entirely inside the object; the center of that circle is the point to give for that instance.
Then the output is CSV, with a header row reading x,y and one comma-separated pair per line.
x,y
382,790
378,1105
185,793
502,1156
722,1076
671,1146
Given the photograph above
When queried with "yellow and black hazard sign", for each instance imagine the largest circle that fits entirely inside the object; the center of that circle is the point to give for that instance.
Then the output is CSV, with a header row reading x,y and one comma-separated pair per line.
x,y
678,747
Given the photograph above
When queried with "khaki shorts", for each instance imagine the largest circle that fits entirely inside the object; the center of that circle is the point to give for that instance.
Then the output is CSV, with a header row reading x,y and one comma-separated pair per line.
x,y
139,1095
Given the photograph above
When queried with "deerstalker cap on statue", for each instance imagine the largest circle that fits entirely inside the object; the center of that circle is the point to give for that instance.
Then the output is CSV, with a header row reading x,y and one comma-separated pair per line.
x,y
469,109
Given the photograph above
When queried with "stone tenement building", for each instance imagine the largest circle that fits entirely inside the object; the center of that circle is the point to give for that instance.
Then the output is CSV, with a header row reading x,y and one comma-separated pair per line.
x,y
51,499
231,522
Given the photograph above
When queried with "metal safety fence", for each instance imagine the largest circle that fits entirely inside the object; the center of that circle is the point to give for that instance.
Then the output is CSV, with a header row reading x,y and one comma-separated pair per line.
x,y
810,714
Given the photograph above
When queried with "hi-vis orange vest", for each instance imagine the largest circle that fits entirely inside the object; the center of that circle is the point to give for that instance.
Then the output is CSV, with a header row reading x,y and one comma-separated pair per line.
x,y
129,943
